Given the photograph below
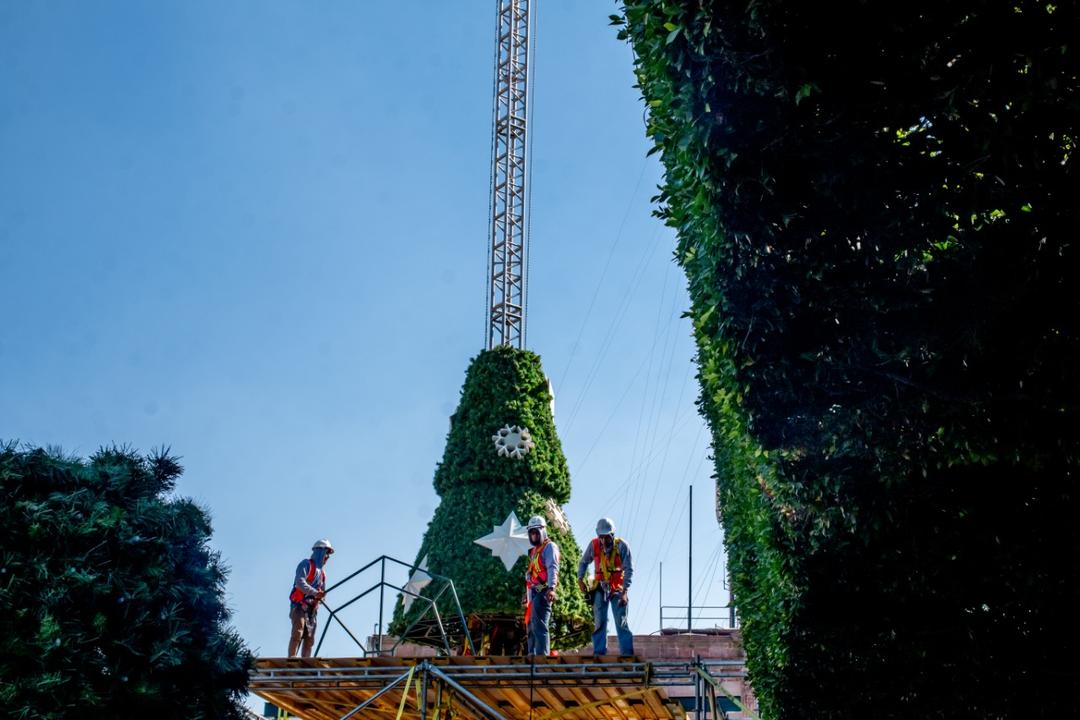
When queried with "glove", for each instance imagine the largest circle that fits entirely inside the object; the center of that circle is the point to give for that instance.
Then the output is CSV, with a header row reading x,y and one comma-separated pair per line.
x,y
581,585
550,595
623,598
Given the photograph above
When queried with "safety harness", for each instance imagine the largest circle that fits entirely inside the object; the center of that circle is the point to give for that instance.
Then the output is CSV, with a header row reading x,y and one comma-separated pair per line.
x,y
297,595
607,567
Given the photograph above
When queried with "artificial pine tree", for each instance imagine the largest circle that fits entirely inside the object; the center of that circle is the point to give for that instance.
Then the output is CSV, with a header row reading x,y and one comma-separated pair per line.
x,y
479,488
111,601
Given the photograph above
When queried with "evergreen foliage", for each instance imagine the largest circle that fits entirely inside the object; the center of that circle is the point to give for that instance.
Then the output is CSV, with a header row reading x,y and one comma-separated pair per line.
x,y
877,212
111,603
478,488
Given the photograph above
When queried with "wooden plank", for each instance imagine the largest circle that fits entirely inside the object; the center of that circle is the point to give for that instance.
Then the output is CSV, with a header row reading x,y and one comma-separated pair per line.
x,y
518,700
608,711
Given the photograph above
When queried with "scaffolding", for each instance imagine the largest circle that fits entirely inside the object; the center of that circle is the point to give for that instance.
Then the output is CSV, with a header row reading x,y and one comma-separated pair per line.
x,y
499,688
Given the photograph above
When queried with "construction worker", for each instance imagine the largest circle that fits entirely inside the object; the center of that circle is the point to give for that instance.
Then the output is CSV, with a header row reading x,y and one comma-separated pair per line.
x,y
309,586
612,574
541,580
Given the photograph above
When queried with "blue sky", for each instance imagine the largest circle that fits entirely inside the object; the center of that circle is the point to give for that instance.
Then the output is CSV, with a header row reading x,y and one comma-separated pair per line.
x,y
256,232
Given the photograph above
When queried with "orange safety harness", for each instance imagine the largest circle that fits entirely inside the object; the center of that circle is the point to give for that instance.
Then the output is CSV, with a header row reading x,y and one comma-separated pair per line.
x,y
607,566
535,575
297,595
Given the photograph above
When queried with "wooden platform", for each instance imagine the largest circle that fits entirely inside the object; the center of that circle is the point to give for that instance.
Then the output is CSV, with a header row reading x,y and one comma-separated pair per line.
x,y
574,688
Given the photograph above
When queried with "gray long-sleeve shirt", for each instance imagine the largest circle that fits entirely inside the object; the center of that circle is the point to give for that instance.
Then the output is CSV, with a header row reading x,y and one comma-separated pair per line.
x,y
301,583
588,556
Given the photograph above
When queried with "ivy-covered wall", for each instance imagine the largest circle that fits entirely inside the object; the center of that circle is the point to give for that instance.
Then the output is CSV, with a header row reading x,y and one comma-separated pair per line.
x,y
479,488
877,211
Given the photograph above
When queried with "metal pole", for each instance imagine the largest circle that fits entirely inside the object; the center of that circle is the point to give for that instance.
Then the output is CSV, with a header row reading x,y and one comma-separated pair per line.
x,y
345,579
464,624
442,630
414,623
334,617
661,598
423,689
382,589
697,694
701,695
476,702
690,565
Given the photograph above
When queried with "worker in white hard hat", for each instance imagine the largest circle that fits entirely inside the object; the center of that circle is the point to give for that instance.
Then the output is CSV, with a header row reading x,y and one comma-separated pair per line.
x,y
613,570
309,586
541,580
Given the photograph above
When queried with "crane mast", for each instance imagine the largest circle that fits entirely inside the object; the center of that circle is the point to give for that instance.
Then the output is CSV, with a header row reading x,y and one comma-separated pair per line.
x,y
508,246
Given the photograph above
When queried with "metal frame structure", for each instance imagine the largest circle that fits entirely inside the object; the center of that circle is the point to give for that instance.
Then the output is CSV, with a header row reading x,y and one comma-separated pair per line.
x,y
676,618
432,608
508,246
432,678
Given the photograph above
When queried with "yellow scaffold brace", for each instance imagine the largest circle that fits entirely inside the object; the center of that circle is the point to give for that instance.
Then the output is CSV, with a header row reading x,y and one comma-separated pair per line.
x,y
405,692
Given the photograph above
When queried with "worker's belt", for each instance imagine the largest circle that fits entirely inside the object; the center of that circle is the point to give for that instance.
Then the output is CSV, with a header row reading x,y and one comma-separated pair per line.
x,y
604,590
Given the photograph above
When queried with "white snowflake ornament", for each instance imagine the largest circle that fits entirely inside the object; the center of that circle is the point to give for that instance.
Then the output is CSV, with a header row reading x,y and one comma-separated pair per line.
x,y
555,515
513,441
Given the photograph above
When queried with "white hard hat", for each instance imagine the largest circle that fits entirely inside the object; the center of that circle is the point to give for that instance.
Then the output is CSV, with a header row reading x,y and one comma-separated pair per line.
x,y
536,523
605,526
323,543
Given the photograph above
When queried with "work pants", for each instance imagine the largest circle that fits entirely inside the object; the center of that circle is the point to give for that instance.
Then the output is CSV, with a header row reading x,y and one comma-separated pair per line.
x,y
303,629
539,620
601,601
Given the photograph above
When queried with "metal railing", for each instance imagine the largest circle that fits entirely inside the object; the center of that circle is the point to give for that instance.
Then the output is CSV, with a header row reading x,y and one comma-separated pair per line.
x,y
444,585
683,618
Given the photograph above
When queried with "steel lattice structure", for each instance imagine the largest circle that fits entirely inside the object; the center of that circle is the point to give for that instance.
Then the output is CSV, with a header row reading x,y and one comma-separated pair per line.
x,y
508,249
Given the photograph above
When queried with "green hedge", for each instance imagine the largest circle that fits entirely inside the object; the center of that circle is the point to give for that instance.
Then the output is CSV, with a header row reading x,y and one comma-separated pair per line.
x,y
111,601
478,488
877,209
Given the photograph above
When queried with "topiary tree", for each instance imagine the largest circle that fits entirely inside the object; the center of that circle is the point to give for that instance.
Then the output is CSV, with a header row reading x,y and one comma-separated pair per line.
x,y
877,209
111,602
479,488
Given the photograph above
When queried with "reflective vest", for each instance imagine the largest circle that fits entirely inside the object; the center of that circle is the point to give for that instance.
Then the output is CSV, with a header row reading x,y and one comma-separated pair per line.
x,y
297,595
607,568
536,573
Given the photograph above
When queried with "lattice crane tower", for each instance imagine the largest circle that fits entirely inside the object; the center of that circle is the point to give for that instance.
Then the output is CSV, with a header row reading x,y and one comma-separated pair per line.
x,y
508,247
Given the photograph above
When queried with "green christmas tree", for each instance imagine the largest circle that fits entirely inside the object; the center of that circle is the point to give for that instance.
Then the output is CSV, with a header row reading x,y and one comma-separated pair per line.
x,y
479,488
111,600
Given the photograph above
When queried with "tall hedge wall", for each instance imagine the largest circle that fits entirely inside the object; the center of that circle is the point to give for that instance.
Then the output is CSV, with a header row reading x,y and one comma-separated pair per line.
x,y
877,209
478,489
